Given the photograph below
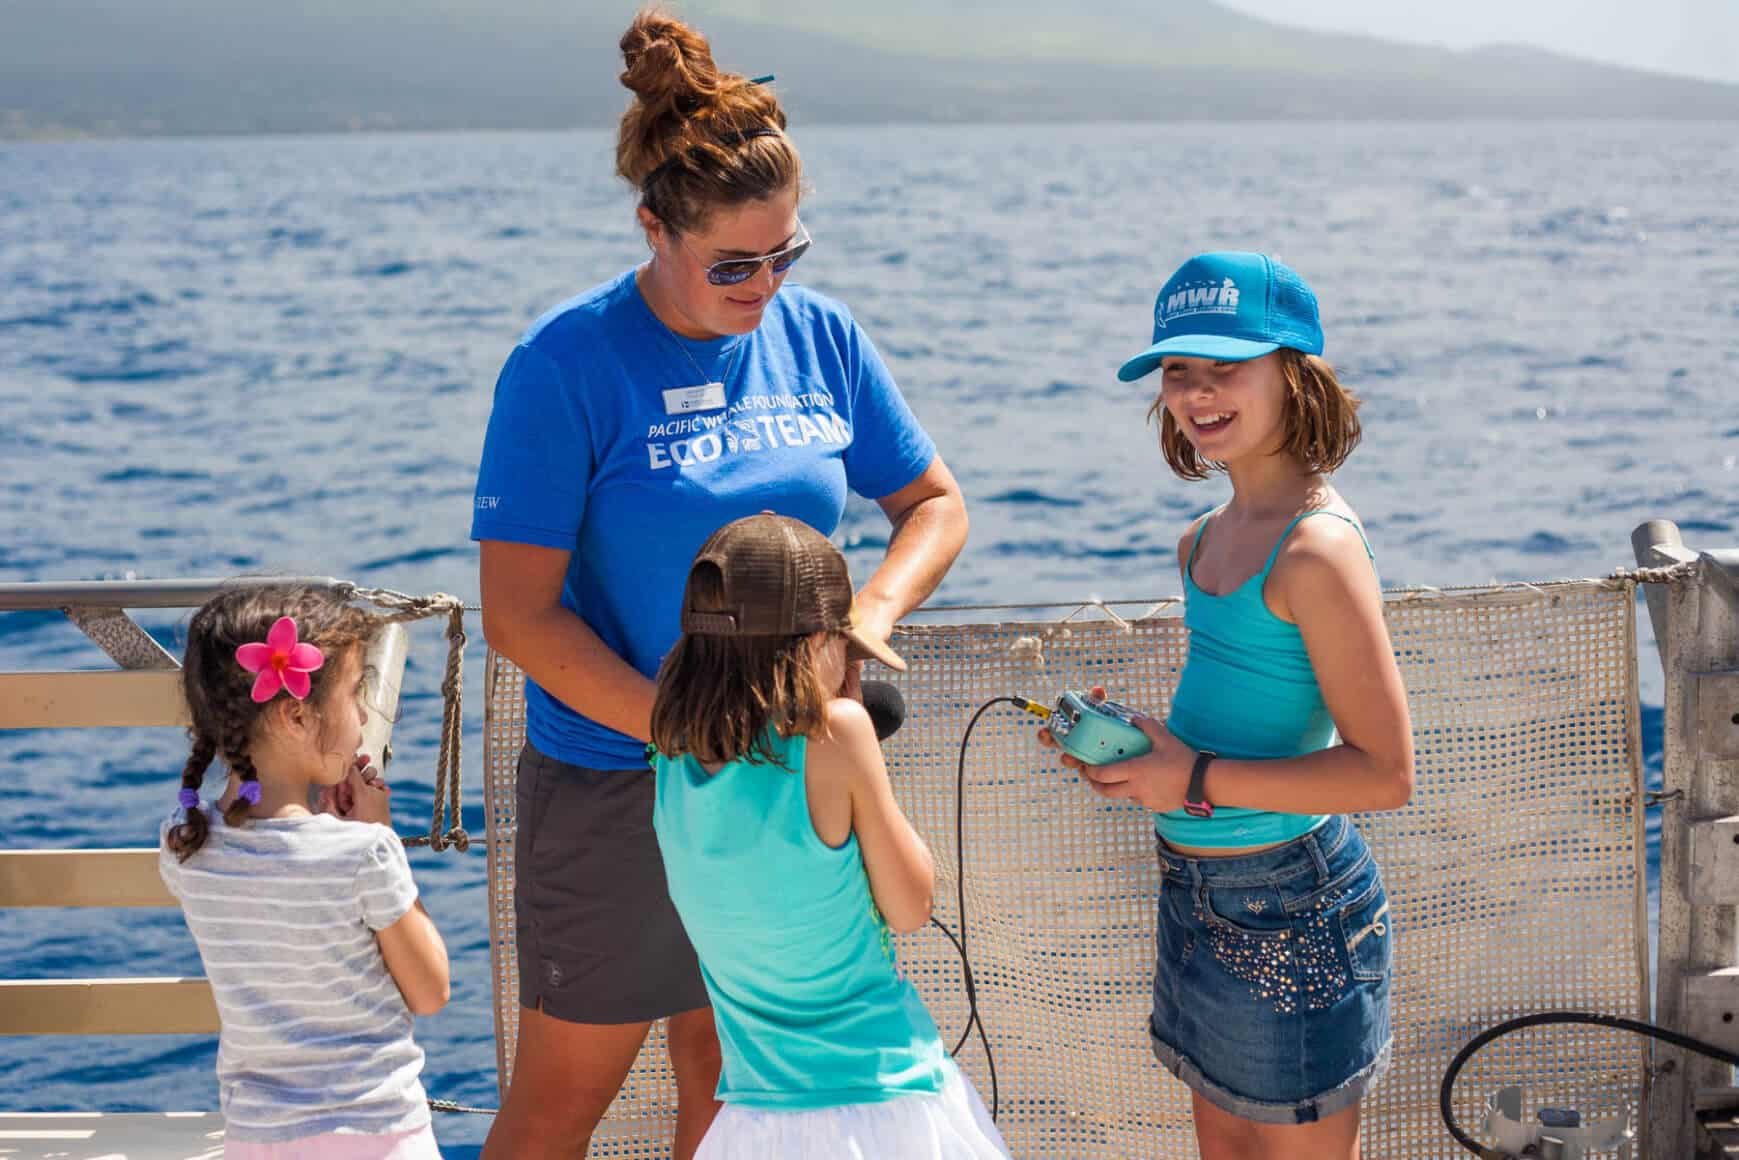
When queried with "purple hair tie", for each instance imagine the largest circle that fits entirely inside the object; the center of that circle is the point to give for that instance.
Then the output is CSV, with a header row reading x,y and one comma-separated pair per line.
x,y
189,799
249,792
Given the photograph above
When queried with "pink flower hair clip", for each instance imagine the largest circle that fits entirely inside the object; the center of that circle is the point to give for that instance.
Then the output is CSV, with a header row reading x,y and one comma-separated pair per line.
x,y
282,661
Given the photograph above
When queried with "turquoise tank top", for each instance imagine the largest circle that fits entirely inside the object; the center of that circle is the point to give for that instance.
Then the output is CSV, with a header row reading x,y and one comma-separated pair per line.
x,y
810,1009
1247,692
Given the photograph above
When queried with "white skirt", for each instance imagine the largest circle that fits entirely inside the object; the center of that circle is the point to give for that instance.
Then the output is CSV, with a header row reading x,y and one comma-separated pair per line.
x,y
952,1124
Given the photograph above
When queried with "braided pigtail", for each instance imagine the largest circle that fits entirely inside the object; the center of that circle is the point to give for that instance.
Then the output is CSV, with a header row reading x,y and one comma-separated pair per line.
x,y
189,834
248,795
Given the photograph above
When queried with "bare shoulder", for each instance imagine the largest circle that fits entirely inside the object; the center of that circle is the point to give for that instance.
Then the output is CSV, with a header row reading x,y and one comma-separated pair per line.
x,y
848,721
1324,557
1326,540
839,750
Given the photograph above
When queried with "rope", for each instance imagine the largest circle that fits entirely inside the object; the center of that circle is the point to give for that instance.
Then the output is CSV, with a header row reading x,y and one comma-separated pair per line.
x,y
450,1106
403,608
1032,648
1095,602
1160,606
1671,574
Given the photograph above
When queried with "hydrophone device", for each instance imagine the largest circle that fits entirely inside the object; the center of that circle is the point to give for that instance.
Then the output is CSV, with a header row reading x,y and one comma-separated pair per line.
x,y
1096,732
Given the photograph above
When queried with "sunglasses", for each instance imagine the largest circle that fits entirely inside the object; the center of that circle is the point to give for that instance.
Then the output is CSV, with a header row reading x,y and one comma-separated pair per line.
x,y
734,271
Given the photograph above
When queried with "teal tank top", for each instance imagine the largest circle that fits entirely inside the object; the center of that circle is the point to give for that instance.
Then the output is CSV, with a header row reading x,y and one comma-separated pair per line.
x,y
810,1008
1247,692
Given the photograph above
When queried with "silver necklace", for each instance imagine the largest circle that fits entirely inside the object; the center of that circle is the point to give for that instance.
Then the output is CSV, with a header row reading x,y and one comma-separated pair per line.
x,y
663,328
707,380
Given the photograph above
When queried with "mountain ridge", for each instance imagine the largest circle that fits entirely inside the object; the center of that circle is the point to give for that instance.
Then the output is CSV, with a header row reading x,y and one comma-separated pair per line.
x,y
110,67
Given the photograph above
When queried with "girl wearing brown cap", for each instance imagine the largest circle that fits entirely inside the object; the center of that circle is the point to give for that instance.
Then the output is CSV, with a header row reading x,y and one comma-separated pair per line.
x,y
791,863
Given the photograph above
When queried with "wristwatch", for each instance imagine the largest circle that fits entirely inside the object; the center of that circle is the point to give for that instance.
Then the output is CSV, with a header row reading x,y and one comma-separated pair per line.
x,y
1195,798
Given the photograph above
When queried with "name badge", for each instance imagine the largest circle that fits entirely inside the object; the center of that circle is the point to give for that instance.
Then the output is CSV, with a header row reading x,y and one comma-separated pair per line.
x,y
686,400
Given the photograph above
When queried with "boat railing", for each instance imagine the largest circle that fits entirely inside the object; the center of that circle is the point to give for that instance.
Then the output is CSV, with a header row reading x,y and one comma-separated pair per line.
x,y
1517,873
1693,1104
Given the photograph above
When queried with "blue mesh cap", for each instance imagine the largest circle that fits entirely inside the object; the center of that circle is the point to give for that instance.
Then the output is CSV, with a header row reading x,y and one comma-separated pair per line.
x,y
1229,306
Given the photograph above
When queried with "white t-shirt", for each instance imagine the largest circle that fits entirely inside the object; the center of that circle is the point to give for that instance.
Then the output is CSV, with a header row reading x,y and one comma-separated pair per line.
x,y
316,1037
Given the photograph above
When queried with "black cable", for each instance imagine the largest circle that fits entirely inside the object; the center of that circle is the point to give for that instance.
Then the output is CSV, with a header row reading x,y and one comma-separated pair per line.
x,y
1615,1022
971,987
973,1018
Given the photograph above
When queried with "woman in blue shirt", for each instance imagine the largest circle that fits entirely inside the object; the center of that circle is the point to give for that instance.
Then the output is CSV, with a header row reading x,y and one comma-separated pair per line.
x,y
629,423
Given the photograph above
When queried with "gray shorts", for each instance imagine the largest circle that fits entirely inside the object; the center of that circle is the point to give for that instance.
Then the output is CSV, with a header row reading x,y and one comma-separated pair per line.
x,y
599,940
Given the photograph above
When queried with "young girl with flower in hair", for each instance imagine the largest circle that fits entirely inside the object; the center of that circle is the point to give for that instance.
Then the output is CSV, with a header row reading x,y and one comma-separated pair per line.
x,y
317,949
789,862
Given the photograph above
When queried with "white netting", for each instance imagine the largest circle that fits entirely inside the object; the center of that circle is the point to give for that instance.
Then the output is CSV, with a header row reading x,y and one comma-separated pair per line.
x,y
1515,873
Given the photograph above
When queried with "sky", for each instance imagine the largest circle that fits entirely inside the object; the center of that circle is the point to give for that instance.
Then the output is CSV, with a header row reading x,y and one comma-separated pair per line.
x,y
1690,37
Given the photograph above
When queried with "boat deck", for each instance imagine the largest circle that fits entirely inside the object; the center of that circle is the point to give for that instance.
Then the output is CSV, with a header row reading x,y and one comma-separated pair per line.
x,y
144,1136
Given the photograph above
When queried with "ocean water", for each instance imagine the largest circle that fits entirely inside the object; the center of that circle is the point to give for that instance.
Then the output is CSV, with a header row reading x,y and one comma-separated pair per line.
x,y
276,354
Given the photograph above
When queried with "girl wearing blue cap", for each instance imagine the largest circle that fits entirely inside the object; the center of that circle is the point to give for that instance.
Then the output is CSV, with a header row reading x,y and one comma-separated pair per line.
x,y
1271,991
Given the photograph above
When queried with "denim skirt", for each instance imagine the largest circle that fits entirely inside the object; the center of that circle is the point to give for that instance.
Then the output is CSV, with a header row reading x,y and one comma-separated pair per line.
x,y
1271,990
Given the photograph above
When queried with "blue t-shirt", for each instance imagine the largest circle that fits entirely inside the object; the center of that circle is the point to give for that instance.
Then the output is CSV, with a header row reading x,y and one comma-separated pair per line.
x,y
616,439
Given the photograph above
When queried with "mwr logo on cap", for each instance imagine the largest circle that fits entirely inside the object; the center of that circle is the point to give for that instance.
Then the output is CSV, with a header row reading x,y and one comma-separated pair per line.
x,y
1189,299
1229,306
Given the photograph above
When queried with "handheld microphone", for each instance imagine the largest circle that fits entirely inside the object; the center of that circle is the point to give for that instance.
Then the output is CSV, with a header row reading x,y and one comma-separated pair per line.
x,y
886,707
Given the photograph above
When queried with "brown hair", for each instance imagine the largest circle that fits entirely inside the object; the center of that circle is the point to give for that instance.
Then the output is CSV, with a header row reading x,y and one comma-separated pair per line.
x,y
718,695
696,139
1322,422
218,689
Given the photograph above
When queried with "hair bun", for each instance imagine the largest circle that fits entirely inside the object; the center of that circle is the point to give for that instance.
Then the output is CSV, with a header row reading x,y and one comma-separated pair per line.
x,y
688,112
668,65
